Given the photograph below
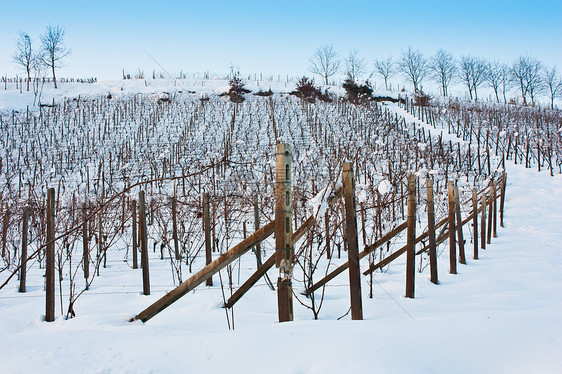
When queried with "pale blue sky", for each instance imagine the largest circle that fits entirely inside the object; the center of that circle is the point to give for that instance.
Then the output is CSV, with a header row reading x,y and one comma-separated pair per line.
x,y
277,37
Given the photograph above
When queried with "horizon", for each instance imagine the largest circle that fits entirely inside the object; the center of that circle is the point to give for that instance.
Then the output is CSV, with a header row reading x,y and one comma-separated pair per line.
x,y
106,38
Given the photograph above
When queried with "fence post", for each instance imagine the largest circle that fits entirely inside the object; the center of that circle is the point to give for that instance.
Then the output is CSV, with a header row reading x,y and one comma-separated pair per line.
x,y
431,232
348,182
5,230
175,226
23,259
475,222
135,236
50,254
284,231
256,228
452,244
494,212
143,245
411,237
207,229
502,196
490,207
460,236
85,250
483,222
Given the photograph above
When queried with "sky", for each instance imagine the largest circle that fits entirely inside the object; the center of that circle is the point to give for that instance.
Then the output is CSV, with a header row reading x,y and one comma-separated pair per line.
x,y
275,37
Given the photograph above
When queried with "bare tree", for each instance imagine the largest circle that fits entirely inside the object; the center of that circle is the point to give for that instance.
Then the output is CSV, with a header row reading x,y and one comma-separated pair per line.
x,y
324,62
553,84
443,68
385,68
23,56
354,65
497,77
534,78
54,49
473,73
413,66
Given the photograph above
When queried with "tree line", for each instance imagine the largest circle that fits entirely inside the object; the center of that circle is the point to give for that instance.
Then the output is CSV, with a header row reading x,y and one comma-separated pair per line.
x,y
526,75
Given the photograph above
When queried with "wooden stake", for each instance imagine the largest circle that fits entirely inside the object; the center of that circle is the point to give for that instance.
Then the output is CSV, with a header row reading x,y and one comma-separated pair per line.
x,y
50,254
460,236
135,236
475,222
411,238
23,257
207,230
502,197
494,211
283,231
175,227
452,243
348,182
483,222
85,250
431,232
490,218
144,245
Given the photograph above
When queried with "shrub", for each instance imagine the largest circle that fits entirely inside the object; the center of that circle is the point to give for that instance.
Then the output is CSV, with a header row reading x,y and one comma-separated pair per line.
x,y
357,93
307,91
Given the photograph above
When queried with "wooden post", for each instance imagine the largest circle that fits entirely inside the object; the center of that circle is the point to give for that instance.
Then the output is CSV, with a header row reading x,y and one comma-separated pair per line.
x,y
494,212
135,236
483,222
284,231
490,206
207,229
431,232
23,257
85,250
411,238
143,245
475,222
5,231
452,244
175,227
327,224
256,228
50,269
502,197
348,182
460,236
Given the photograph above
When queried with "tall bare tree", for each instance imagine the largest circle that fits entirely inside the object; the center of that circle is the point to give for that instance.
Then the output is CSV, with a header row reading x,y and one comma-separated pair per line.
x,y
325,62
497,73
54,49
413,65
472,72
385,67
553,84
354,65
443,68
534,78
526,75
24,56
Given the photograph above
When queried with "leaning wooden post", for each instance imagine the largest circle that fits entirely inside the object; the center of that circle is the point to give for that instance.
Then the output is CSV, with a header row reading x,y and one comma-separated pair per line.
x,y
411,237
135,236
460,237
85,250
490,207
143,245
50,254
207,229
483,222
23,257
431,232
256,228
494,212
284,232
175,227
452,243
502,196
475,222
348,182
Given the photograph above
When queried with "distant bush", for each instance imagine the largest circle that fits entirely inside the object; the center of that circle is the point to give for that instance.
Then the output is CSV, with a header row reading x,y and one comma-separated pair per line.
x,y
307,91
237,88
264,93
422,99
357,93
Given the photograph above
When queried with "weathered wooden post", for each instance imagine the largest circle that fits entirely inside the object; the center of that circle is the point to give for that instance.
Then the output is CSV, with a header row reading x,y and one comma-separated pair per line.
x,y
85,250
502,196
490,213
207,229
175,227
144,245
327,224
50,258
475,222
284,231
5,230
483,222
23,257
256,228
494,212
135,236
431,232
411,237
460,236
348,182
452,244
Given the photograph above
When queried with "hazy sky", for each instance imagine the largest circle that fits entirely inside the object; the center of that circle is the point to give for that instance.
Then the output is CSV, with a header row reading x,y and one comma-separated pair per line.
x,y
276,37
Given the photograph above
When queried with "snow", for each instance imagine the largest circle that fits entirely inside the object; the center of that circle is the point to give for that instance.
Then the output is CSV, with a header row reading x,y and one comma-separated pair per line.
x,y
499,314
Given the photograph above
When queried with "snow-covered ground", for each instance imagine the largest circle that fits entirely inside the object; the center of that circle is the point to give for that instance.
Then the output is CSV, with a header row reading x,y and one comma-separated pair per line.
x,y
499,314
